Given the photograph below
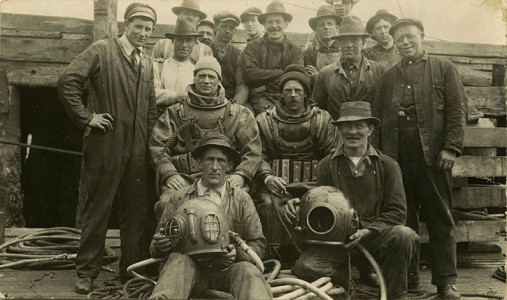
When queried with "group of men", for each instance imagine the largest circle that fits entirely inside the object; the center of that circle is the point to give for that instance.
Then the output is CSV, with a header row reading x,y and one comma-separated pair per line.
x,y
211,121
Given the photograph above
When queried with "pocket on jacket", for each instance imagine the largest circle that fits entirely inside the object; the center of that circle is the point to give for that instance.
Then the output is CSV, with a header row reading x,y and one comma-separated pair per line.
x,y
439,92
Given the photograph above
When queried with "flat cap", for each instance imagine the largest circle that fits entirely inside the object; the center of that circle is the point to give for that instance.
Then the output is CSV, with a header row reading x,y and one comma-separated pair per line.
x,y
250,12
224,16
206,22
140,10
406,21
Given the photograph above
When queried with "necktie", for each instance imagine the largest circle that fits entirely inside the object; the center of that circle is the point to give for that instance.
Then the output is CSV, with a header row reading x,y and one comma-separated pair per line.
x,y
133,55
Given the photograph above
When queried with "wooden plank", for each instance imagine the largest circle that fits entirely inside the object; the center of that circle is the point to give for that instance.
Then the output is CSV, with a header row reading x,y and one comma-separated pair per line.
x,y
473,77
474,61
498,75
465,49
45,23
479,196
486,137
489,100
480,166
31,33
471,231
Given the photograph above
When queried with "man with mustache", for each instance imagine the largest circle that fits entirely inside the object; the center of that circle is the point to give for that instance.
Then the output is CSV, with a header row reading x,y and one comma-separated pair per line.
x,y
353,77
173,75
207,29
226,54
295,135
190,11
264,59
384,51
423,108
117,122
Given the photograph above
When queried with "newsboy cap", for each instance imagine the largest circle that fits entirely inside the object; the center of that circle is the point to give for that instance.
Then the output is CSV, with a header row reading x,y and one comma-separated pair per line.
x,y
381,14
140,10
224,16
250,12
406,21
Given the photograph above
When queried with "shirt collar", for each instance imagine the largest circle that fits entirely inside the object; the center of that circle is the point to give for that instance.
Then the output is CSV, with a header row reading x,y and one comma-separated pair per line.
x,y
127,45
339,68
370,151
201,189
423,57
334,45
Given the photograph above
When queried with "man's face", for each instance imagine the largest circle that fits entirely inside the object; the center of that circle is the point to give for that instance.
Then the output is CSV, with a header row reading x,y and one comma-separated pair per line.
x,y
206,82
355,134
381,32
138,31
351,47
251,25
293,97
409,41
183,47
215,165
191,16
225,31
325,28
208,34
275,26
342,7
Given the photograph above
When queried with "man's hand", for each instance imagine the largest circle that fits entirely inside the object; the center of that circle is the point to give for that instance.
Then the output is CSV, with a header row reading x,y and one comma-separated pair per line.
x,y
236,180
176,182
162,243
312,70
102,122
276,185
446,158
291,210
358,236
228,258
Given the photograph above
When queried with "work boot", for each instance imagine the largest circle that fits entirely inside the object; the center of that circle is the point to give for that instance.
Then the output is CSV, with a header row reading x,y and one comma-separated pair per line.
x,y
369,278
84,285
413,282
448,292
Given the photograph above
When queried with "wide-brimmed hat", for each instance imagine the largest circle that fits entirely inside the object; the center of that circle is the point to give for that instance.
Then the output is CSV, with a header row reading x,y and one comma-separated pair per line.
x,y
331,1
274,8
351,26
183,28
250,12
218,140
356,111
324,11
140,10
224,16
192,5
406,21
381,14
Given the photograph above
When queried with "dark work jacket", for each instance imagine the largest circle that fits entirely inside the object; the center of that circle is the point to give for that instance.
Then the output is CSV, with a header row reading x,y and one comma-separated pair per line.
x,y
229,66
115,88
440,105
391,207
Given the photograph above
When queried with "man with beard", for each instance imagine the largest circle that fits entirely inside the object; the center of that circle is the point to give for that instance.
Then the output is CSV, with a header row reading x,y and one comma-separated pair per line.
x,y
352,77
173,75
226,54
204,110
384,51
264,59
295,135
190,11
207,29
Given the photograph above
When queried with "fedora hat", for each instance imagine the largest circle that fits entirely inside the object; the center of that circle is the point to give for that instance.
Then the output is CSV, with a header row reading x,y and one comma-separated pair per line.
x,y
351,26
192,5
333,2
356,111
274,8
324,11
183,28
218,140
381,14
406,21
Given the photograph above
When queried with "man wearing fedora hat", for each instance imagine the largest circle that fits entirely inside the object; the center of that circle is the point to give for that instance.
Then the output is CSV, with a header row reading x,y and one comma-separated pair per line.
x,y
190,11
373,184
325,50
117,121
353,77
384,51
207,29
227,55
264,59
233,272
422,104
173,75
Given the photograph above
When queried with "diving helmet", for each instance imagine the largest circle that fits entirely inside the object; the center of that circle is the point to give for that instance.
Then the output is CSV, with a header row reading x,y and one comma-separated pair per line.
x,y
198,228
326,217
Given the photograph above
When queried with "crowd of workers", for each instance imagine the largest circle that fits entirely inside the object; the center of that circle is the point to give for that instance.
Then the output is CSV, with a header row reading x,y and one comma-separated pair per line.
x,y
204,119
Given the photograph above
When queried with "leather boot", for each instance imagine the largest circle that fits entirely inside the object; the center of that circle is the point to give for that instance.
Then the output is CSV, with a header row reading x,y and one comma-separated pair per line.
x,y
84,285
448,292
369,278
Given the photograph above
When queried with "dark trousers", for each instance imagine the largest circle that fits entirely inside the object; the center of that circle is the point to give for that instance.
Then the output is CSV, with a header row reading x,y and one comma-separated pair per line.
x,y
428,190
130,178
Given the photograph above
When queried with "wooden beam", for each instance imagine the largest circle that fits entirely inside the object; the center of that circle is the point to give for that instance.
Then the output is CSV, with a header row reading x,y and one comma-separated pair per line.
x,y
465,49
471,231
480,166
104,22
473,77
498,75
489,100
486,137
45,23
479,196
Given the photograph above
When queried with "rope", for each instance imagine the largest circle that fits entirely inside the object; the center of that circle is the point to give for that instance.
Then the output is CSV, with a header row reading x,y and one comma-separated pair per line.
x,y
284,226
50,149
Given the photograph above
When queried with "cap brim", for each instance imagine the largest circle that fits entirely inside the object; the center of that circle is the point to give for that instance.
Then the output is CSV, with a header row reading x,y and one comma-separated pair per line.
x,y
403,23
177,9
171,35
374,120
262,18
142,14
243,16
365,35
235,21
369,24
232,154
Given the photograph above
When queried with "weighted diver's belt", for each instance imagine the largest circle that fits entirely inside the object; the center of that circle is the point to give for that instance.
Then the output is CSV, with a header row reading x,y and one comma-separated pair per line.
x,y
292,170
185,163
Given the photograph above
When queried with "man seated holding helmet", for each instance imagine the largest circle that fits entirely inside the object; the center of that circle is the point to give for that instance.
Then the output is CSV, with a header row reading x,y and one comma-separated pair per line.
x,y
231,271
372,182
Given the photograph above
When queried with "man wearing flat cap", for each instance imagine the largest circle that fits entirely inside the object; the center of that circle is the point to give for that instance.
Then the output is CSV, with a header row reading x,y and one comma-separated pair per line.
x,y
372,182
207,29
384,51
173,75
117,122
251,24
204,110
353,77
233,271
226,54
190,11
422,105
264,59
